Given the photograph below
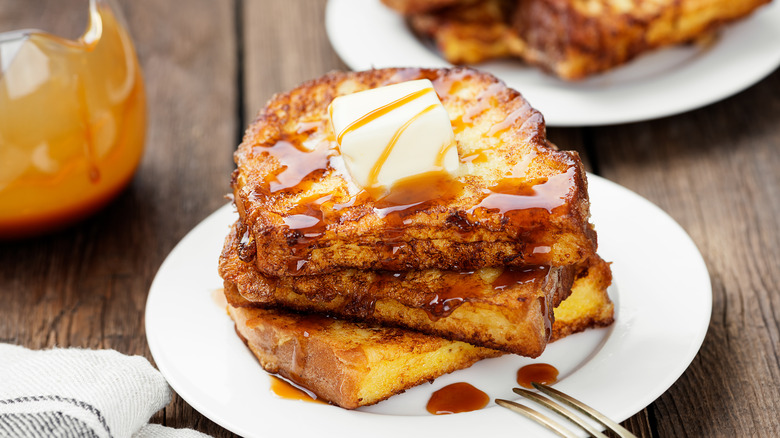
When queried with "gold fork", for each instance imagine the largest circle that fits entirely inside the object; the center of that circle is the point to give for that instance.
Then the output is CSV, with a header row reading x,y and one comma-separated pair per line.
x,y
552,405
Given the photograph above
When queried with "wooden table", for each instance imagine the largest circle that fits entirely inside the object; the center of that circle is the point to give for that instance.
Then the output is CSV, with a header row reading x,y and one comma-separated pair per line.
x,y
210,65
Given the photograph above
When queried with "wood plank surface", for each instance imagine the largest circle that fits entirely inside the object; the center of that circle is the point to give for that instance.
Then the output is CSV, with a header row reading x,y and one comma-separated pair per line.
x,y
189,55
211,65
716,171
284,45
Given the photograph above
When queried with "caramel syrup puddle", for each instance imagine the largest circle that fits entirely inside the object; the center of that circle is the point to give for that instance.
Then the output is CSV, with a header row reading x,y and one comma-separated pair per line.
x,y
543,373
286,390
455,398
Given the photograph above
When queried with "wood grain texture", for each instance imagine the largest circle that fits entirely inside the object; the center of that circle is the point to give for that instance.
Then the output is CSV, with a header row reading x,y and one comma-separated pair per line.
x,y
211,65
189,58
284,44
717,172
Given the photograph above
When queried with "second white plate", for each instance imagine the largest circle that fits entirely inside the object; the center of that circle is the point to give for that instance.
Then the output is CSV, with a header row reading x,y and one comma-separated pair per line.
x,y
366,34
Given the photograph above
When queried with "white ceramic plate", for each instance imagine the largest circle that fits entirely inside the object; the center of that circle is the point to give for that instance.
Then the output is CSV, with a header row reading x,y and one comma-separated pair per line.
x,y
662,298
366,34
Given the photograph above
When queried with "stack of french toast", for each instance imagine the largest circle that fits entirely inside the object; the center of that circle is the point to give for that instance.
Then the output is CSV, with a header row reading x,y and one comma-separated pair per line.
x,y
358,294
569,38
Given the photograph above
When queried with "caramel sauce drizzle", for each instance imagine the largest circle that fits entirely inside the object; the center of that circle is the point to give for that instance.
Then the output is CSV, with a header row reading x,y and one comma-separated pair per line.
x,y
380,162
478,157
468,287
414,193
296,163
464,288
379,112
451,84
512,276
509,121
442,307
439,161
305,222
486,99
514,195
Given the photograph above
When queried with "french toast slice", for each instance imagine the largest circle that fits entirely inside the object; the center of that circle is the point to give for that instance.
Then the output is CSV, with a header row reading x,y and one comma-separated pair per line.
x,y
508,309
356,364
571,38
348,364
515,199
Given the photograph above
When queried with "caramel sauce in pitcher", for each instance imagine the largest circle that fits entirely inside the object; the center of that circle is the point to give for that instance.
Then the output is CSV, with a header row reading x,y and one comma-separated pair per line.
x,y
72,124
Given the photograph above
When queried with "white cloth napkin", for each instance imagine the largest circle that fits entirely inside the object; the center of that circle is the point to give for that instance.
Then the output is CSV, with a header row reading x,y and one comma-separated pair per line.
x,y
81,393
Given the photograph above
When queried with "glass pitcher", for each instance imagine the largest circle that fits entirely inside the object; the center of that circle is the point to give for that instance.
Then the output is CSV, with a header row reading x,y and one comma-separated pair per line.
x,y
72,122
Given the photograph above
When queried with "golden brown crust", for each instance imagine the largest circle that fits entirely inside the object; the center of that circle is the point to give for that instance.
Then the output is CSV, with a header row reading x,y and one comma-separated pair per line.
x,y
348,364
508,310
499,136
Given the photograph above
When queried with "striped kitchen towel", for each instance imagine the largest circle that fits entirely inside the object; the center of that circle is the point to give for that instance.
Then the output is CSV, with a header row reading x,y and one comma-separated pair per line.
x,y
81,393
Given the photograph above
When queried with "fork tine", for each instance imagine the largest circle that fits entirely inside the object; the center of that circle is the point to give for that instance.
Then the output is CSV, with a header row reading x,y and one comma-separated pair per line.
x,y
585,409
536,416
544,401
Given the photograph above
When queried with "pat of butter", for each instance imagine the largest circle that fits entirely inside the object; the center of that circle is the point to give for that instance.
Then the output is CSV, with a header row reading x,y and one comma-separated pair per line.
x,y
389,133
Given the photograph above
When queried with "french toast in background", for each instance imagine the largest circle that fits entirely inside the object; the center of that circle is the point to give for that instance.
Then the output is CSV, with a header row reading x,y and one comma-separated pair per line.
x,y
299,209
357,364
349,364
569,38
469,32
